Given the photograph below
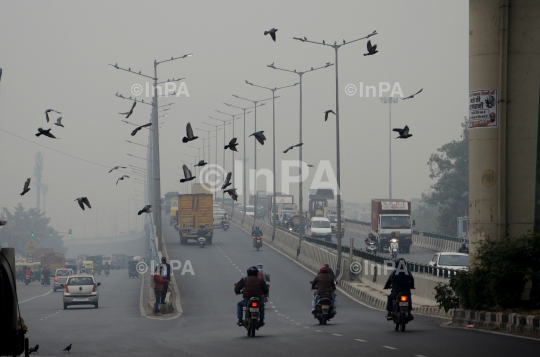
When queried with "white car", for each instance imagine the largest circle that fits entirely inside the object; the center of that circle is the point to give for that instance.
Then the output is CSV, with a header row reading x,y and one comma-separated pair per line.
x,y
319,227
80,289
450,260
217,217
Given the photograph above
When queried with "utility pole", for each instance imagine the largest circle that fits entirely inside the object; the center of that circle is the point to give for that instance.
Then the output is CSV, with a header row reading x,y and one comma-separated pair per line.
x,y
38,168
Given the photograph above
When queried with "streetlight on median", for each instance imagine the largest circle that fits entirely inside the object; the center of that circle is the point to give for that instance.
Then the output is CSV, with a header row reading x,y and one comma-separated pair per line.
x,y
336,47
301,226
274,149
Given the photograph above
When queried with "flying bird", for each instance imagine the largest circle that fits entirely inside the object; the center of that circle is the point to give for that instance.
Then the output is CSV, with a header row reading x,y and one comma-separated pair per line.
x,y
187,174
310,165
134,132
189,134
128,114
305,38
33,349
82,201
272,33
232,193
291,147
227,181
121,178
232,145
2,223
47,132
47,113
326,114
403,133
68,348
59,122
371,49
146,209
412,96
259,136
26,186
323,42
117,167
201,163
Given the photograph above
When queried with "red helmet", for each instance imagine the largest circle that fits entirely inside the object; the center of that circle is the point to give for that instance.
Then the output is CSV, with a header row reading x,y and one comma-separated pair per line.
x,y
324,269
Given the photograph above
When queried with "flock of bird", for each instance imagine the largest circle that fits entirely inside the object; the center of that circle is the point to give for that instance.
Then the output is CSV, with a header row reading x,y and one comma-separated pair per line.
x,y
36,348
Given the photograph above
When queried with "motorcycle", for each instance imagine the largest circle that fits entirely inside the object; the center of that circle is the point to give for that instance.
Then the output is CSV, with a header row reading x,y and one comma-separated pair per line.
x,y
225,225
258,243
400,311
251,320
394,247
371,248
201,241
27,279
106,272
324,308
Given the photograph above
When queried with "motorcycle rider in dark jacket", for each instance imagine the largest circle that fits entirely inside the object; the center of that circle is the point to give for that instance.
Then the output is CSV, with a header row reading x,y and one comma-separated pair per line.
x,y
400,280
463,248
324,283
251,286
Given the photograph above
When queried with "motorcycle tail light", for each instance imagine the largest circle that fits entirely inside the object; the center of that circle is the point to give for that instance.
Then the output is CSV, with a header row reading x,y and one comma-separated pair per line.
x,y
66,288
404,298
55,278
94,289
254,304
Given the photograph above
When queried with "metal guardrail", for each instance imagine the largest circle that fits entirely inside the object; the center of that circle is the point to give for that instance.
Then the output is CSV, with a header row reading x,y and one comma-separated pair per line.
x,y
347,220
442,236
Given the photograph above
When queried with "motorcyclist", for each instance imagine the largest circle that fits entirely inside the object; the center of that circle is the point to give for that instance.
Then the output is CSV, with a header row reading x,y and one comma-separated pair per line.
x,y
256,233
106,267
400,280
330,271
251,286
324,283
463,248
46,275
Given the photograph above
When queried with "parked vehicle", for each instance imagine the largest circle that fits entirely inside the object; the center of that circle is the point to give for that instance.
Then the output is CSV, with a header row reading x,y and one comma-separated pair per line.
x,y
400,311
251,319
80,289
319,227
449,260
60,277
195,211
132,269
391,216
394,247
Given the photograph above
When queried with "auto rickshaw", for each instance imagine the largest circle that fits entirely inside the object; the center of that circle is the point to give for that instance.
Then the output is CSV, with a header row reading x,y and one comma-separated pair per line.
x,y
295,222
132,269
36,271
88,265
173,220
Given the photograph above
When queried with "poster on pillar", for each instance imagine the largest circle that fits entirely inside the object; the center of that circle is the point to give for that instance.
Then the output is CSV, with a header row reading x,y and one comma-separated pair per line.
x,y
483,109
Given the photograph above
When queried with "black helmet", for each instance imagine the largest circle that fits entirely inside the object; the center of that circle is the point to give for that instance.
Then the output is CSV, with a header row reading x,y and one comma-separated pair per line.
x,y
252,271
257,227
326,265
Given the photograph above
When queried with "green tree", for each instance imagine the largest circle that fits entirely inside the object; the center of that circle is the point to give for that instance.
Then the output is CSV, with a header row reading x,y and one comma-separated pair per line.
x,y
24,223
450,167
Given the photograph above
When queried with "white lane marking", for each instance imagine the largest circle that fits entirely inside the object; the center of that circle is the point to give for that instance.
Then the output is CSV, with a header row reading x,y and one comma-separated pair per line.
x,y
299,324
390,348
336,334
357,339
420,356
306,327
318,330
35,297
292,320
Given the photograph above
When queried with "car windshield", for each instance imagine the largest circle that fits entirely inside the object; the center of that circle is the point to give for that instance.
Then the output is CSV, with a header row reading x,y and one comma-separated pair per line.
x,y
62,272
81,281
395,222
454,260
321,224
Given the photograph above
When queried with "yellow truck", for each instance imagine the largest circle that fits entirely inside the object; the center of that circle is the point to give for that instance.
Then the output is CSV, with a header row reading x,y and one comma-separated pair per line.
x,y
195,217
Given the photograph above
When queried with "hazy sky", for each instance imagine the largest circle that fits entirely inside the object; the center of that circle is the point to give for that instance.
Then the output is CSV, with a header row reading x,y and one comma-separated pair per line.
x,y
55,54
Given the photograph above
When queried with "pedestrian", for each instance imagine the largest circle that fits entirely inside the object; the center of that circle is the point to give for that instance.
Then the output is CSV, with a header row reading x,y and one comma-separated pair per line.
x,y
158,288
165,274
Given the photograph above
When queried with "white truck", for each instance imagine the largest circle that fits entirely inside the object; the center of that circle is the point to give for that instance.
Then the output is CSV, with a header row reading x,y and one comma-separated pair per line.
x,y
391,216
331,214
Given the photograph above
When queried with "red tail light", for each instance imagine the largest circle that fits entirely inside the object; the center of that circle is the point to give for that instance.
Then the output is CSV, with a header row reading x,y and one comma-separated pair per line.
x,y
66,288
403,298
94,289
254,304
55,278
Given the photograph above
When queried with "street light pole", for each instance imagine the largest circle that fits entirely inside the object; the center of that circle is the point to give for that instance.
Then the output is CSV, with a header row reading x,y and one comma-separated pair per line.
x,y
255,163
390,101
336,47
301,225
274,150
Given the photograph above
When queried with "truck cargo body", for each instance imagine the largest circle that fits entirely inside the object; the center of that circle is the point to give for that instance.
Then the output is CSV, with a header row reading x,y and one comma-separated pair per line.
x,y
391,216
280,201
195,217
53,260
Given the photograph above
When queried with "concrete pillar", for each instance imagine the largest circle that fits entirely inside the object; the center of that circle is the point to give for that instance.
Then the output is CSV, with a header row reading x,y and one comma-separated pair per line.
x,y
504,54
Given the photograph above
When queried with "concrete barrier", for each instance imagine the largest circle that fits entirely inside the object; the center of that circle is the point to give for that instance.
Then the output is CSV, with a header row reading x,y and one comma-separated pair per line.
x,y
505,322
